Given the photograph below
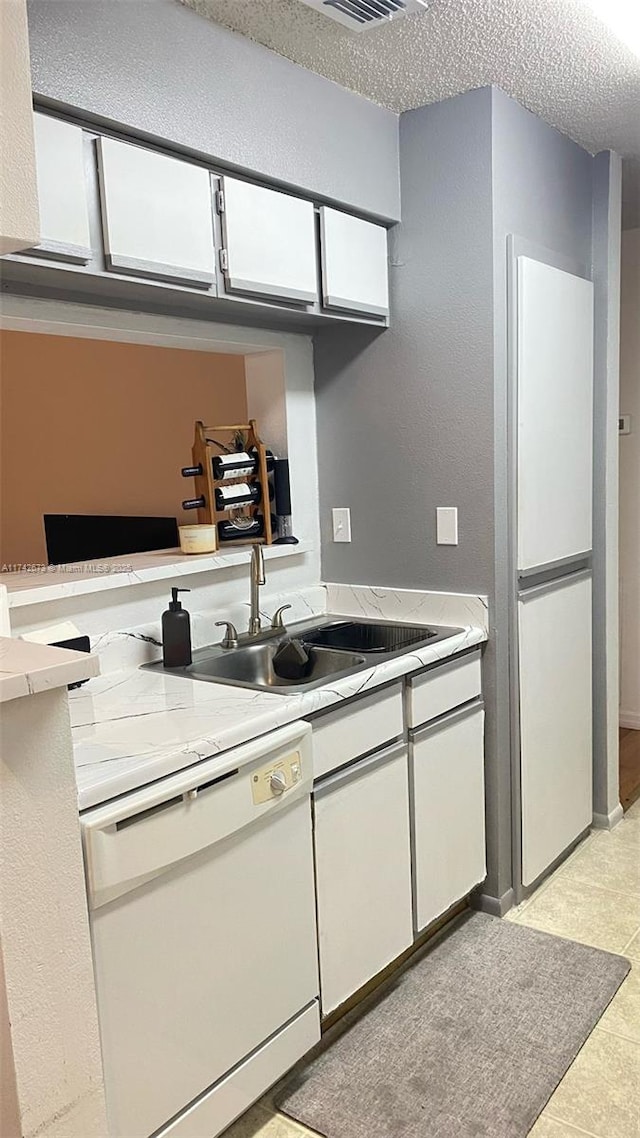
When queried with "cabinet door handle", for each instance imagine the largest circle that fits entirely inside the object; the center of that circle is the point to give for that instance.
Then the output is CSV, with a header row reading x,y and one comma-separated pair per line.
x,y
359,767
447,720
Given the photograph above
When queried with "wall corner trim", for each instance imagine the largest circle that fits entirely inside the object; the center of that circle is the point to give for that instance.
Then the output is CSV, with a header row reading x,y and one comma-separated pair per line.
x,y
608,821
494,906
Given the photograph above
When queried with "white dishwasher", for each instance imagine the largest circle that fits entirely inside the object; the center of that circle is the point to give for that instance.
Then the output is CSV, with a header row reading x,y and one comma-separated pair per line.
x,y
201,899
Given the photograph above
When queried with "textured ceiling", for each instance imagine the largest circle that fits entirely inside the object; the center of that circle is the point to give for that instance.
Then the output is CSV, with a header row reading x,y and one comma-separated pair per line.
x,y
553,56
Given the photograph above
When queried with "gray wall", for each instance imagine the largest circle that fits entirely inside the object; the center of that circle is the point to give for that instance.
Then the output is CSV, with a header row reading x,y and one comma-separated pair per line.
x,y
165,72
541,196
421,395
433,389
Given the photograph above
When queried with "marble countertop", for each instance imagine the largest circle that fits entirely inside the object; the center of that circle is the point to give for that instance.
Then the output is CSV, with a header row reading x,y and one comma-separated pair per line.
x,y
133,727
27,668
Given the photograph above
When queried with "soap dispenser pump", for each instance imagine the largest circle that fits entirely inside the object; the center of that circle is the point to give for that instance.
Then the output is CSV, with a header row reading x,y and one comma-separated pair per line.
x,y
176,633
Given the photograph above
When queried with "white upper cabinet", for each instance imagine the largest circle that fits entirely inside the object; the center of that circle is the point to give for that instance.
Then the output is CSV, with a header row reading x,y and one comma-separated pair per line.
x,y
62,192
354,263
156,214
269,243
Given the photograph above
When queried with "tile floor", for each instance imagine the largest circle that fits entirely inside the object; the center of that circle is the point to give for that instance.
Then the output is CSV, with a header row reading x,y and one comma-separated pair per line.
x,y
594,898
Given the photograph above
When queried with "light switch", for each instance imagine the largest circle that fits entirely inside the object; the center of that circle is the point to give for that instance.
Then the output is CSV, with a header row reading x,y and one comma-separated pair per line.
x,y
447,525
341,523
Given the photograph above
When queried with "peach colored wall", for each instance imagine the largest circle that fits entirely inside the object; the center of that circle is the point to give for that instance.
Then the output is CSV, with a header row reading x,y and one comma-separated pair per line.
x,y
90,426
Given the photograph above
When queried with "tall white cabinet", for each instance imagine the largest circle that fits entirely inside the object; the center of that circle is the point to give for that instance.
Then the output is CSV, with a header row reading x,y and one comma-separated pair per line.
x,y
554,504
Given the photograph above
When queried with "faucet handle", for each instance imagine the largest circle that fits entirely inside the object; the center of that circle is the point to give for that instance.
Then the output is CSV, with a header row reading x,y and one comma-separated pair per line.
x,y
276,620
230,638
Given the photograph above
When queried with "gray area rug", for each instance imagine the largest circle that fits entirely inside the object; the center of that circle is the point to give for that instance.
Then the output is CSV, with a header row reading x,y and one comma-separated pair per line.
x,y
470,1041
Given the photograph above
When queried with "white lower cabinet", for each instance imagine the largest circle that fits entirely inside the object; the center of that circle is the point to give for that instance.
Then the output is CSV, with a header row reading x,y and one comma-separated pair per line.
x,y
556,744
363,871
447,770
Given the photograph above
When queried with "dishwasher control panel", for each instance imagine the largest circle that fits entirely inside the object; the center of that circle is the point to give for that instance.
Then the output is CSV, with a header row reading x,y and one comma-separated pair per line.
x,y
274,779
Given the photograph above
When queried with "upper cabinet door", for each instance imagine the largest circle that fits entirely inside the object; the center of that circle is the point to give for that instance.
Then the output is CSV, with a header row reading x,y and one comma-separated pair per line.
x,y
156,214
64,215
354,263
270,243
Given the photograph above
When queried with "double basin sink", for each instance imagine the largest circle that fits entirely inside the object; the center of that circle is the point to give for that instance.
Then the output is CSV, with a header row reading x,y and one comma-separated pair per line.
x,y
335,648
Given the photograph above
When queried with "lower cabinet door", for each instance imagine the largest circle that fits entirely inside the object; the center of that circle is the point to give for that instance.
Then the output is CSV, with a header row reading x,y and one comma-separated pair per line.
x,y
447,767
556,747
363,871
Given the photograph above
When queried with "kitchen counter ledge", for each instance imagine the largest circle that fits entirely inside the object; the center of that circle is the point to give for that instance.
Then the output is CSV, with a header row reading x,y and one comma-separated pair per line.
x,y
133,727
26,668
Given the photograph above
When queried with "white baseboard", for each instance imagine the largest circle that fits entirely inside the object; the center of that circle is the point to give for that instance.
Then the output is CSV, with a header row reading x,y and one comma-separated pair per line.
x,y
630,719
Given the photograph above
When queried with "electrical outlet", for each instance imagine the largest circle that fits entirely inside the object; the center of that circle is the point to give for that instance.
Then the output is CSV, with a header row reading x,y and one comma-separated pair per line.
x,y
341,523
447,525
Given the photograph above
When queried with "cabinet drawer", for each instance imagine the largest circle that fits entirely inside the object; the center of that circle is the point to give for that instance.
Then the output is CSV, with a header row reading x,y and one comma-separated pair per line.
x,y
435,692
351,731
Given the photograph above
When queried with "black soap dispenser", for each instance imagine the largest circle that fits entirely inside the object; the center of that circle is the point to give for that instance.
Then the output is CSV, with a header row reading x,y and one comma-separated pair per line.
x,y
176,633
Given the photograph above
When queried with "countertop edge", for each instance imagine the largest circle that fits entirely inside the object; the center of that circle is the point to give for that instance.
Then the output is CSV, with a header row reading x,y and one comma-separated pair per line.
x,y
281,709
28,669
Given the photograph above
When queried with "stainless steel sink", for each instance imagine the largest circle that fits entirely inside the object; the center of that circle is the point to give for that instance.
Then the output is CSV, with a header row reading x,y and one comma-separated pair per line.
x,y
337,647
370,636
252,667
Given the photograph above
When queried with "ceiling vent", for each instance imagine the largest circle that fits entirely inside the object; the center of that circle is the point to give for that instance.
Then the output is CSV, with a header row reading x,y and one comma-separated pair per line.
x,y
362,15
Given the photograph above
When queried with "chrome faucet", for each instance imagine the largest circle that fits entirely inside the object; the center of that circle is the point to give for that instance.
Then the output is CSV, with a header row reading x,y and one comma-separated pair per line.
x,y
257,579
231,638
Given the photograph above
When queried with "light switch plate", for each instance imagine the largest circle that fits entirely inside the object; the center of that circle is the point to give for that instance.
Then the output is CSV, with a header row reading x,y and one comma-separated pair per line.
x,y
341,523
447,525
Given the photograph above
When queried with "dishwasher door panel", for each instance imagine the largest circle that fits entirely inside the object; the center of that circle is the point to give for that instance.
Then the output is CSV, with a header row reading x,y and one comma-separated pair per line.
x,y
197,967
